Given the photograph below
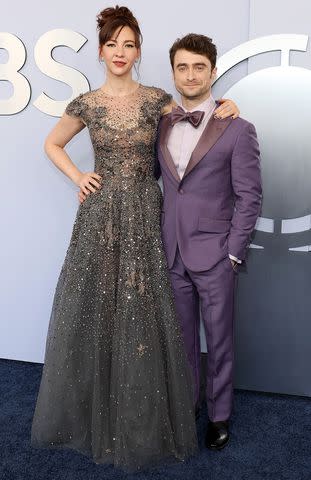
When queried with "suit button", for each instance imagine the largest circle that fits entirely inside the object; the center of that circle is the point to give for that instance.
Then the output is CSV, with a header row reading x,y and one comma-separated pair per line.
x,y
181,191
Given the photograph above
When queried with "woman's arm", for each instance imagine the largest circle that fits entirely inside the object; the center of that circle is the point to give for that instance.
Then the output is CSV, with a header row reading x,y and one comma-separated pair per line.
x,y
65,129
227,109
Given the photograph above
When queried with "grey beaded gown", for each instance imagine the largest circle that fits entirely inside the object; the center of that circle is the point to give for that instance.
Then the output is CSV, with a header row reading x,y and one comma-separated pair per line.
x,y
115,384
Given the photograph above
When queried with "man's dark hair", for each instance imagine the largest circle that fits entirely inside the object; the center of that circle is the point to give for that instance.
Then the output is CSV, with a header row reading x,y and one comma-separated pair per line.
x,y
195,43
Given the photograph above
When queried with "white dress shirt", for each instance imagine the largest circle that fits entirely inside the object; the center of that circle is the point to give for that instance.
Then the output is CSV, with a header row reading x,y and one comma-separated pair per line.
x,y
184,138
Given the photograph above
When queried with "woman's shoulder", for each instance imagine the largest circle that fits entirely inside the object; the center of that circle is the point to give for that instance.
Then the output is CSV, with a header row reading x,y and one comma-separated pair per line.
x,y
155,91
157,96
89,95
81,98
79,105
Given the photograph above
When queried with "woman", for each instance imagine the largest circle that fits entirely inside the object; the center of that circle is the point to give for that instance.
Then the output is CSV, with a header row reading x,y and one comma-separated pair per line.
x,y
115,384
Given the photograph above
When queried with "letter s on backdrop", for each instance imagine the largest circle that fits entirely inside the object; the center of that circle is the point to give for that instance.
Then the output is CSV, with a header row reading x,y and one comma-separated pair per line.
x,y
43,57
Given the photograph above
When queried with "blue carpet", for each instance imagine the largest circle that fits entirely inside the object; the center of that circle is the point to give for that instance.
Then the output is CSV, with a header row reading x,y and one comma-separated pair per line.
x,y
271,440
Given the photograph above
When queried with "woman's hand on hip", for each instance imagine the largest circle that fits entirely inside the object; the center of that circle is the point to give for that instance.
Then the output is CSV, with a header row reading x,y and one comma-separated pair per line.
x,y
81,196
89,182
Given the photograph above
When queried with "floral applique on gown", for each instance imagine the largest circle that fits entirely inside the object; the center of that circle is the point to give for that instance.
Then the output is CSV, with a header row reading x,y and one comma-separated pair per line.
x,y
115,384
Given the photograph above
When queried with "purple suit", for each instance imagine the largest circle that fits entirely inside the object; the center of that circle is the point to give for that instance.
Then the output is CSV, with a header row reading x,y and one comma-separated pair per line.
x,y
208,214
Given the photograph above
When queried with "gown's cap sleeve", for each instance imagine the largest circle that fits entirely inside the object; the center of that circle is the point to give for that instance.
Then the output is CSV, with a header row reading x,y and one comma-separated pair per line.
x,y
165,98
75,107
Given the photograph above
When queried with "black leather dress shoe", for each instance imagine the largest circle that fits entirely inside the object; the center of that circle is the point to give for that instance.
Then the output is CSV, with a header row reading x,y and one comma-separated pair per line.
x,y
217,435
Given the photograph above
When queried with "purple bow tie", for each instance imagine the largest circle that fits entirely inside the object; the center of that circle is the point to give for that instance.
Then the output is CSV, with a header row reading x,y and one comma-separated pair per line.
x,y
179,115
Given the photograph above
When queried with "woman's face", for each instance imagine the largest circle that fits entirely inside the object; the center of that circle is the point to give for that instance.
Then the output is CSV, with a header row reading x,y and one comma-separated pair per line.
x,y
120,52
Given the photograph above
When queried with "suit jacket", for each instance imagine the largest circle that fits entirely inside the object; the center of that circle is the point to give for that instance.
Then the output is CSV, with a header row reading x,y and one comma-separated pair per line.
x,y
212,211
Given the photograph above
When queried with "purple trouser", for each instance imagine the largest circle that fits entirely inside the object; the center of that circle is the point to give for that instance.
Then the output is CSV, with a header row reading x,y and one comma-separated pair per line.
x,y
213,290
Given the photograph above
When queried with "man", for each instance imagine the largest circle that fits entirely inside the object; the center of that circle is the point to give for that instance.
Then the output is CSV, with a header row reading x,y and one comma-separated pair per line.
x,y
212,196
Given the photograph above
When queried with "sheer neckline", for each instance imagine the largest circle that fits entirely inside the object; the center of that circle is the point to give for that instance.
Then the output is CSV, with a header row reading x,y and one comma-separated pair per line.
x,y
100,90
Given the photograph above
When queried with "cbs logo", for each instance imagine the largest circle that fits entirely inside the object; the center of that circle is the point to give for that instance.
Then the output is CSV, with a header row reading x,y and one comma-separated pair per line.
x,y
10,71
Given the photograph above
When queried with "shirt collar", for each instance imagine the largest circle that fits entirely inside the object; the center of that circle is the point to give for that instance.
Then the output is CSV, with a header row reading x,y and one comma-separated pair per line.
x,y
207,106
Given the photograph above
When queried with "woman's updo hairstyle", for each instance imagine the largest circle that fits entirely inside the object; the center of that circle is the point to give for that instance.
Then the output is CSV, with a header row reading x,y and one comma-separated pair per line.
x,y
113,18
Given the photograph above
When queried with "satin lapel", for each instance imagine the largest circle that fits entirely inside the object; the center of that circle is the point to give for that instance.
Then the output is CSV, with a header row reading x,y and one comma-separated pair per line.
x,y
165,130
212,132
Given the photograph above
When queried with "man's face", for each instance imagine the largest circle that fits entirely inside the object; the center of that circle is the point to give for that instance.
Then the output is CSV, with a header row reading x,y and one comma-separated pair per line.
x,y
193,75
